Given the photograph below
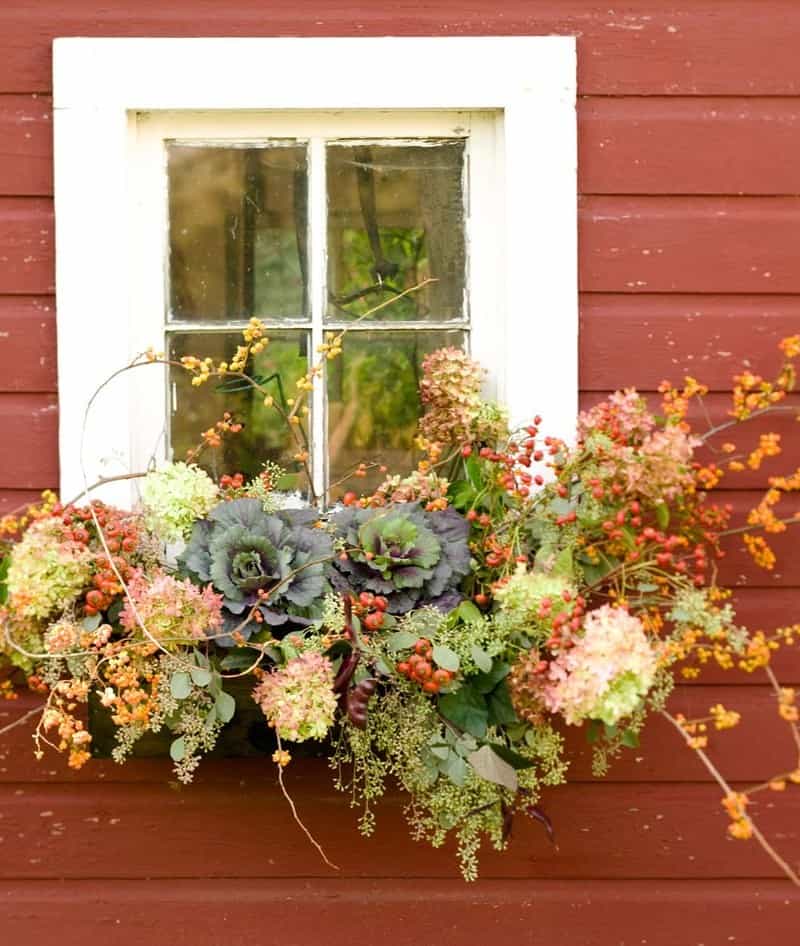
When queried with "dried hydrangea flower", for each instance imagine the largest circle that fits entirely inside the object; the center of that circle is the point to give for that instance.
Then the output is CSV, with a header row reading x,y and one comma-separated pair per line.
x,y
450,390
298,700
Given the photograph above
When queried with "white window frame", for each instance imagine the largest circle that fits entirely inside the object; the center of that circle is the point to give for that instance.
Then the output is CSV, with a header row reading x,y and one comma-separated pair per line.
x,y
531,330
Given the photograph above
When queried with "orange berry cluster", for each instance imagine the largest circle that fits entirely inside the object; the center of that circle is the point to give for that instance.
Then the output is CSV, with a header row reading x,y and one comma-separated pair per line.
x,y
121,533
421,669
370,609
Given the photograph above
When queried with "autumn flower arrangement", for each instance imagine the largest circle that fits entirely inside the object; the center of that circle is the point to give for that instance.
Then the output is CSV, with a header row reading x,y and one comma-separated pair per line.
x,y
437,632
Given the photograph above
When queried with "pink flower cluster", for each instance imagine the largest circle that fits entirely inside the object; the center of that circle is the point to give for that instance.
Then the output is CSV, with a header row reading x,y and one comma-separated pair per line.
x,y
605,673
298,700
450,389
174,612
623,416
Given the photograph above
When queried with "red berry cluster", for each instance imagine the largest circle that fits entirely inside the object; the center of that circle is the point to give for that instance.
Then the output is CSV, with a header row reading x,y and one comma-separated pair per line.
x,y
370,609
232,483
567,617
121,533
420,668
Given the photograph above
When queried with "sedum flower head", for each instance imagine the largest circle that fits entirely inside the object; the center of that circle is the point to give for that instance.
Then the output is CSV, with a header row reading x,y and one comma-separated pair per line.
x,y
174,612
298,700
606,672
529,601
175,497
47,571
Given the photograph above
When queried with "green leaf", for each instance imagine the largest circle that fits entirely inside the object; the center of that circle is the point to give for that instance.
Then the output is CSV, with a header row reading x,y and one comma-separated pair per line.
x,y
466,709
455,768
211,718
662,515
486,682
441,752
594,573
383,667
469,612
200,659
472,467
446,658
4,564
562,566
200,676
237,660
400,640
180,685
91,622
646,586
611,731
491,767
593,731
482,660
226,706
630,738
462,495
177,749
514,759
501,710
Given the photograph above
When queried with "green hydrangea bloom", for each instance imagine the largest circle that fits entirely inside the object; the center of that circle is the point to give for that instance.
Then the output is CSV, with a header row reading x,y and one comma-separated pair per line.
x,y
175,498
47,572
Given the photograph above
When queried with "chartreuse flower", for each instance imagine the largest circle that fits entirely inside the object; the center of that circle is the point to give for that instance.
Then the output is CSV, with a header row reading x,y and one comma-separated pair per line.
x,y
175,498
47,571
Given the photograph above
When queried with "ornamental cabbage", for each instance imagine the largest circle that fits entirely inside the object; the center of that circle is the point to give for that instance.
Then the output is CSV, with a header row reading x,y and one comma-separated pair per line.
x,y
410,556
273,562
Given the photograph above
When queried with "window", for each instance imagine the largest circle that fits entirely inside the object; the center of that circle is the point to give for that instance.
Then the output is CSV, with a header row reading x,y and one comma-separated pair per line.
x,y
208,188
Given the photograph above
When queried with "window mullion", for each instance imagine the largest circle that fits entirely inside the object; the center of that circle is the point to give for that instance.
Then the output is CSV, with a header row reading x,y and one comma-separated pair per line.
x,y
317,225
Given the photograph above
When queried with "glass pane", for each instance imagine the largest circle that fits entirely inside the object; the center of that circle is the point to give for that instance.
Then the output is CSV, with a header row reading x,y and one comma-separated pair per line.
x,y
396,217
373,402
237,231
195,409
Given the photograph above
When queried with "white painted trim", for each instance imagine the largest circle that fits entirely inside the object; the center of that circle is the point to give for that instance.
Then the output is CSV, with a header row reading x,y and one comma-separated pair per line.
x,y
99,85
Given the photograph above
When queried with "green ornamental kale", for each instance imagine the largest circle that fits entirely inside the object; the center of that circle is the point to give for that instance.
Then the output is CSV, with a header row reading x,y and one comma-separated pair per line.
x,y
242,550
410,556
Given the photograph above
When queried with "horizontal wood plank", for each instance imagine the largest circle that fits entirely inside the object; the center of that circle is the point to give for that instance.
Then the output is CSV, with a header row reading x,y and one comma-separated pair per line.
x,y
759,748
400,911
689,145
26,246
690,244
689,48
639,340
29,445
26,145
17,499
27,344
245,830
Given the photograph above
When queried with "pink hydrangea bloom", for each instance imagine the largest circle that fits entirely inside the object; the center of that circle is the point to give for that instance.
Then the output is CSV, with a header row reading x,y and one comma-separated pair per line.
x,y
298,700
174,612
607,671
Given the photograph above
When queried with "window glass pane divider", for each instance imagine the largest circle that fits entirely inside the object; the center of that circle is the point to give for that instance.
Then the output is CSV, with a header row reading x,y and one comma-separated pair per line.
x,y
421,326
317,225
236,325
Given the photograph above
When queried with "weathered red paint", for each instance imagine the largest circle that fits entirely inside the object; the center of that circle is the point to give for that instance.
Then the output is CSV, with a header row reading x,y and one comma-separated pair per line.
x,y
690,106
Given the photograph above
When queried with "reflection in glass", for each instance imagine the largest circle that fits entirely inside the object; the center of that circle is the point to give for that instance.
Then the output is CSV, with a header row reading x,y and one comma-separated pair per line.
x,y
264,435
237,231
373,402
395,218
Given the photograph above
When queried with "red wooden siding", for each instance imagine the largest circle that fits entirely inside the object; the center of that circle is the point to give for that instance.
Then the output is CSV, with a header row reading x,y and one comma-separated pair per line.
x,y
689,132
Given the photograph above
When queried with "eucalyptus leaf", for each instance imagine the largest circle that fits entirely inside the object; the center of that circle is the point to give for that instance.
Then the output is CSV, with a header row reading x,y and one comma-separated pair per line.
x,y
514,759
180,685
91,622
491,767
446,658
177,749
400,640
469,612
200,676
482,660
226,706
662,515
455,768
